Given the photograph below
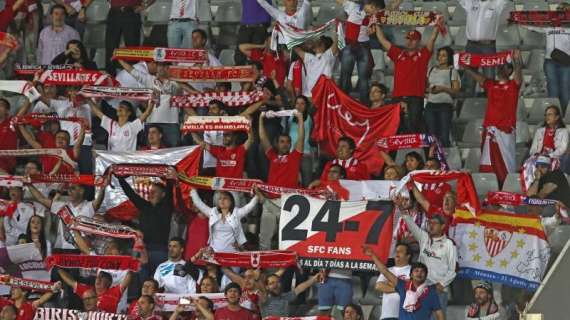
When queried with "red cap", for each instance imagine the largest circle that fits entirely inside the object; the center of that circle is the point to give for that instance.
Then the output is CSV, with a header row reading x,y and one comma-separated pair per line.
x,y
414,35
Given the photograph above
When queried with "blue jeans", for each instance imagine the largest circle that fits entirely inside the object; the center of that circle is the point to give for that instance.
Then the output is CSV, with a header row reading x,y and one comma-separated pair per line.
x,y
468,83
558,82
179,34
170,133
359,55
438,121
335,292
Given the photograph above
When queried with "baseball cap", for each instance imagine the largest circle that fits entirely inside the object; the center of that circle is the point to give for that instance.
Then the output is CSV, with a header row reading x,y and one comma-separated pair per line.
x,y
543,160
413,35
485,285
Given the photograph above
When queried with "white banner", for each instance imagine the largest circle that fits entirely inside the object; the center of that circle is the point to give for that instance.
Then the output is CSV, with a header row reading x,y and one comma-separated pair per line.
x,y
68,314
167,302
370,189
22,261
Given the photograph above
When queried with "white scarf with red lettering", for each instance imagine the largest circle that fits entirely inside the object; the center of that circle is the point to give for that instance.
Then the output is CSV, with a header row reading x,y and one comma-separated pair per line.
x,y
135,94
414,296
216,123
21,87
75,78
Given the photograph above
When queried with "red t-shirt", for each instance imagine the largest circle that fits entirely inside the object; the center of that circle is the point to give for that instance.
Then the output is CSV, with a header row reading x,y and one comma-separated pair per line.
x,y
502,101
47,140
107,301
410,70
25,312
284,169
8,141
231,161
6,15
434,193
355,170
226,314
270,62
548,140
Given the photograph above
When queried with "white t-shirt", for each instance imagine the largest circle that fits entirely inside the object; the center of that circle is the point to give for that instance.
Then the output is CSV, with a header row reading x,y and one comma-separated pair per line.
x,y
482,18
441,77
163,113
356,15
222,238
18,223
184,9
303,76
122,138
318,65
214,138
172,277
391,301
64,238
556,38
65,108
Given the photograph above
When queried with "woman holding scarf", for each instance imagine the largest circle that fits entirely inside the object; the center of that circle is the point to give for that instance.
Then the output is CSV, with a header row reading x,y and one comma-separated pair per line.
x,y
551,139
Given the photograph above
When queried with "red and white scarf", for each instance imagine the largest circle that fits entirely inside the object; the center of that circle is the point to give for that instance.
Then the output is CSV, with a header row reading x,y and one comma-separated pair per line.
x,y
135,94
298,70
298,318
294,36
91,226
212,74
140,170
253,259
161,54
230,99
60,153
410,18
280,114
8,40
515,199
92,262
540,18
488,60
7,208
26,284
216,123
529,167
19,181
20,87
70,314
414,296
167,302
31,69
38,119
75,78
548,144
414,140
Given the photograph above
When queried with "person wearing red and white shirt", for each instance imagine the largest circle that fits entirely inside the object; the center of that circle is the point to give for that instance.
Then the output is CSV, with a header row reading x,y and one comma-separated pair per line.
x,y
26,309
145,309
274,66
181,23
435,192
149,287
284,168
320,63
499,126
410,70
122,133
332,183
552,138
16,223
107,297
355,169
445,209
9,139
297,18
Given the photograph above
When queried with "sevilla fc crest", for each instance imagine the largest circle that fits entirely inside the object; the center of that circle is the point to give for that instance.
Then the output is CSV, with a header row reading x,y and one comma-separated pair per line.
x,y
496,241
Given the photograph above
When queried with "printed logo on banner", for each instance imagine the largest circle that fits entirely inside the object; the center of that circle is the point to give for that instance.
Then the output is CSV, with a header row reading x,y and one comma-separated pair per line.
x,y
330,234
496,241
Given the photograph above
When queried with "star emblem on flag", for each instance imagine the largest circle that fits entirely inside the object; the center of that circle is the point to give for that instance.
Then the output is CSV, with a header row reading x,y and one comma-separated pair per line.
x,y
504,263
473,234
477,258
473,246
520,243
514,254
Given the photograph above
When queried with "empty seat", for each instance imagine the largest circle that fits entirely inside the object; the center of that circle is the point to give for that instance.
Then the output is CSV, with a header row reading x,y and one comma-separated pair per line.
x,y
473,108
559,237
229,12
536,112
472,159
94,36
485,182
512,183
532,39
522,133
535,6
441,40
227,57
97,11
204,13
356,289
536,61
453,158
459,17
401,154
372,296
472,134
508,37
378,57
159,12
328,12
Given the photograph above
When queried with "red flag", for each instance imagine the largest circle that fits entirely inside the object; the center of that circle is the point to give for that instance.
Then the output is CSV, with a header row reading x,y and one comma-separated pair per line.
x,y
339,115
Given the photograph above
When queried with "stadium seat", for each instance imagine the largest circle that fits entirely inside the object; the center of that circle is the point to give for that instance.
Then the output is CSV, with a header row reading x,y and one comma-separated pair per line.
x,y
485,182
229,12
535,6
459,17
159,12
94,36
204,13
472,159
536,61
559,237
227,57
522,133
375,313
531,39
401,154
372,296
389,82
521,155
512,183
407,6
536,112
473,108
508,37
506,13
453,158
440,7
441,40
378,57
327,12
97,12
472,134
356,289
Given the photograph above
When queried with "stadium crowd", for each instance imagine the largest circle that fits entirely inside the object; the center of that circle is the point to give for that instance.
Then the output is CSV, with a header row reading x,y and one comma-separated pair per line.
x,y
178,230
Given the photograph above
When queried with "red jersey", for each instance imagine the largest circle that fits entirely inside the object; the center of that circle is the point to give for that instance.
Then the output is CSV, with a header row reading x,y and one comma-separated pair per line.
x,y
410,70
226,314
9,141
502,101
284,169
107,301
231,161
434,193
25,312
548,140
270,62
355,170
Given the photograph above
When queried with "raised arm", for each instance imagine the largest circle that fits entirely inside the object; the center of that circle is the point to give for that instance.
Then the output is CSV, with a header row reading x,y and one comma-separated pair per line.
x,y
517,65
234,277
271,10
101,195
243,211
300,52
199,203
263,139
147,112
95,109
38,196
431,42
250,139
387,158
24,108
246,48
67,278
46,296
29,137
79,142
253,108
386,44
307,284
418,233
300,143
126,281
392,279
479,78
125,65
420,198
137,200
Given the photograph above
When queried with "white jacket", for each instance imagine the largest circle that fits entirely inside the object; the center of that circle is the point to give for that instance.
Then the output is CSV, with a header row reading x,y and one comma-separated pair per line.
x,y
438,254
233,219
560,142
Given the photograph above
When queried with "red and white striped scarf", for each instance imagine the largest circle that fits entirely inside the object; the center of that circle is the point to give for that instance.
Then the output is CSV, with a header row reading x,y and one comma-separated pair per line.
x,y
60,153
230,99
91,226
135,94
161,54
75,78
93,262
31,69
414,140
38,119
540,18
140,170
212,74
26,284
8,40
488,60
216,123
410,18
7,208
253,259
